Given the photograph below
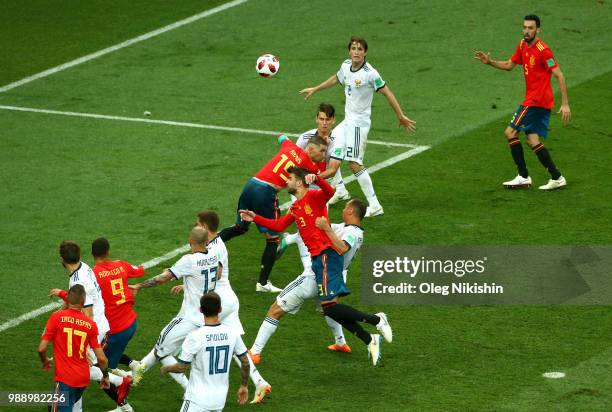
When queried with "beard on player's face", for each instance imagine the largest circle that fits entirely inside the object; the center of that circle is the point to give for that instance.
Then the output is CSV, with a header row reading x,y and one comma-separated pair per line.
x,y
291,190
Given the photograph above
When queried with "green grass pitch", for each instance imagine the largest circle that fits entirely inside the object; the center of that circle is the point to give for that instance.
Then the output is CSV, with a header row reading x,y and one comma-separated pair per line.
x,y
141,185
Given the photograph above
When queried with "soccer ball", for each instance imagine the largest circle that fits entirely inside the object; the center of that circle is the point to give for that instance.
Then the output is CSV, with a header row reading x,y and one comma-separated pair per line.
x,y
267,65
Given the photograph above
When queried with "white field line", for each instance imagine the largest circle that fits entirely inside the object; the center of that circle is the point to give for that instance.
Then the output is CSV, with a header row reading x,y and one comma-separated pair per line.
x,y
173,123
55,305
121,45
414,150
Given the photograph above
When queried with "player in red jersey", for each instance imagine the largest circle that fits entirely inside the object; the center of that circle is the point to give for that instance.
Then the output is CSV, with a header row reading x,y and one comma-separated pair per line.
x,y
71,332
533,115
327,260
112,276
260,195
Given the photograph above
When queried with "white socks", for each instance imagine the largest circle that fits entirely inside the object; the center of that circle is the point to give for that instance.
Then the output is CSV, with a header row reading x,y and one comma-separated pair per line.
x,y
365,181
253,372
149,360
338,183
95,374
336,330
266,330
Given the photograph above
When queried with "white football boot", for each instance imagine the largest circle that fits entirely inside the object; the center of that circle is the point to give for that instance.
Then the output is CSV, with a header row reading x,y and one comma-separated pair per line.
x,y
339,196
377,211
554,184
518,182
374,350
268,287
384,327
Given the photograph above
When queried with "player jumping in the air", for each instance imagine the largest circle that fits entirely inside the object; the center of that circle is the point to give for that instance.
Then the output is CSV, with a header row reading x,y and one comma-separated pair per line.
x,y
199,271
327,261
360,81
261,192
349,237
533,115
325,119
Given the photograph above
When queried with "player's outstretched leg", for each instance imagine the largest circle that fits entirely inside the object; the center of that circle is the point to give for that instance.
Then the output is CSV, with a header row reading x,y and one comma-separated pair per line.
x,y
268,258
151,359
266,330
340,343
365,181
348,318
232,231
120,387
341,192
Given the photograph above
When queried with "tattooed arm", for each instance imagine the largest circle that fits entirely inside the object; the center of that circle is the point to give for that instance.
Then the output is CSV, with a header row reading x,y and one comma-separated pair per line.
x,y
243,391
151,282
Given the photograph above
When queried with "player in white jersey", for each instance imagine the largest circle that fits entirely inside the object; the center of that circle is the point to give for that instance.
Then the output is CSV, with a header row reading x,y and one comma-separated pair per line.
x,y
81,274
348,234
207,350
325,119
209,220
199,271
360,81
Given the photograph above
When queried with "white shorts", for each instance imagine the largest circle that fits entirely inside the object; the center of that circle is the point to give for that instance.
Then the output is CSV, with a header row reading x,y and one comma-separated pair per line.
x,y
229,311
190,406
172,336
355,138
304,287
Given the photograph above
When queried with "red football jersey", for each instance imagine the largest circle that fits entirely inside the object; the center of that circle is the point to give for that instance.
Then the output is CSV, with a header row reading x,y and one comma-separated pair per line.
x,y
538,62
113,277
71,331
304,213
290,154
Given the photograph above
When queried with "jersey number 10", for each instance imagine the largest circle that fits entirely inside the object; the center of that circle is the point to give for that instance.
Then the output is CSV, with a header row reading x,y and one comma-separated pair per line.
x,y
219,356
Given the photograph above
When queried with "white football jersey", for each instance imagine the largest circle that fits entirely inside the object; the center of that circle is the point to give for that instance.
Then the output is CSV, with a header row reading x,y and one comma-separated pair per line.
x,y
359,88
334,150
353,236
199,273
93,294
209,350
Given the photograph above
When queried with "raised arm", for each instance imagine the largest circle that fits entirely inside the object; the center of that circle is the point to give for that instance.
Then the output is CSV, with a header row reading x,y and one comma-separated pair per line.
x,y
408,124
152,282
566,114
309,91
278,225
485,58
328,191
